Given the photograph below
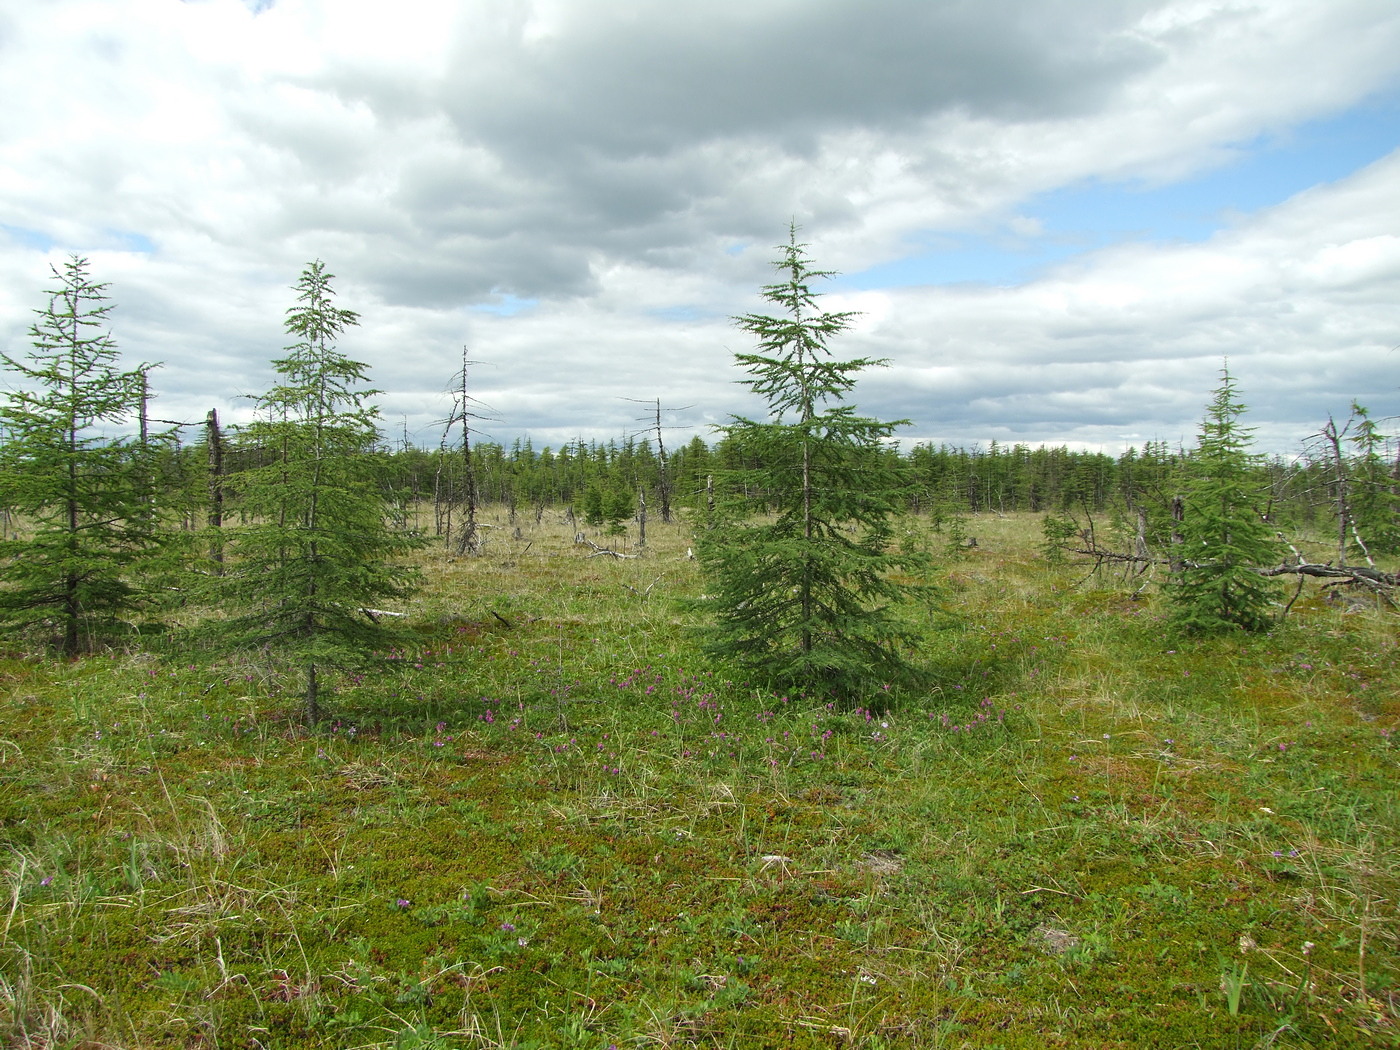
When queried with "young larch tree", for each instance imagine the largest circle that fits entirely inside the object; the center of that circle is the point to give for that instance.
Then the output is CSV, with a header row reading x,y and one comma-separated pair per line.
x,y
804,593
1224,537
321,548
85,490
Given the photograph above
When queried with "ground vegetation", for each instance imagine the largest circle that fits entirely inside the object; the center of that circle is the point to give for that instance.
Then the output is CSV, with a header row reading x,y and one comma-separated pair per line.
x,y
549,823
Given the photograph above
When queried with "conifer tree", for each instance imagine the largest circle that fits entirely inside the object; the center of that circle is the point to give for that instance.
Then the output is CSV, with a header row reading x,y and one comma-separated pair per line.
x,y
1224,538
803,594
320,549
85,491
607,506
1375,504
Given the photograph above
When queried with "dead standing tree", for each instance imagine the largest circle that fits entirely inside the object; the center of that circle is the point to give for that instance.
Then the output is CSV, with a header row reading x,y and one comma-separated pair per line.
x,y
1331,437
663,483
448,495
216,489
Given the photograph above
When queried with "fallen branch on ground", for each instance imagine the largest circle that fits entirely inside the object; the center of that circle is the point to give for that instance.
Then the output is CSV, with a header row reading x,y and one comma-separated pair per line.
x,y
646,592
598,551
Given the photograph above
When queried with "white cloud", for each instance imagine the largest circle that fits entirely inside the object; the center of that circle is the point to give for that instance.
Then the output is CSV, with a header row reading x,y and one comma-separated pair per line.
x,y
1301,300
626,168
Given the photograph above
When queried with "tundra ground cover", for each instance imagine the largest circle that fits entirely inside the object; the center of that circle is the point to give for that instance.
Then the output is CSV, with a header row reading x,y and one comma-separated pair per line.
x,y
551,824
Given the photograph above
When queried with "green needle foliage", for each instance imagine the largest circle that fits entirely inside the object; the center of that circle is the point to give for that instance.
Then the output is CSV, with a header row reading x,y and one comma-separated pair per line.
x,y
1375,506
320,549
608,507
1224,538
804,593
85,493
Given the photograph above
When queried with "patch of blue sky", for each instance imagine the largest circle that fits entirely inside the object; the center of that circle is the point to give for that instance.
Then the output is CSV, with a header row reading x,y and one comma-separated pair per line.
x,y
130,241
1079,218
998,259
118,240
505,305
27,238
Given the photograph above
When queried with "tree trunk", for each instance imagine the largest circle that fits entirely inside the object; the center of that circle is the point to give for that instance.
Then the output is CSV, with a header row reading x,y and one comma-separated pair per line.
x,y
467,541
1178,513
313,689
216,488
664,479
1341,497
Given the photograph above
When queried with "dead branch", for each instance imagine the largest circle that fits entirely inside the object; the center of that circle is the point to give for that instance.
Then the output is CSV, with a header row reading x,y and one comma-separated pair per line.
x,y
1118,556
604,551
1382,584
1297,591
1138,562
1374,578
375,614
647,592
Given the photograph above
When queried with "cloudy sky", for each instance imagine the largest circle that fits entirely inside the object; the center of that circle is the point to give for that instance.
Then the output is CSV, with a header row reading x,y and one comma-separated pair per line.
x,y
1058,216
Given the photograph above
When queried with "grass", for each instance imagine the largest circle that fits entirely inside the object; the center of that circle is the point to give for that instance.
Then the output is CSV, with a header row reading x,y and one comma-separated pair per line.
x,y
550,824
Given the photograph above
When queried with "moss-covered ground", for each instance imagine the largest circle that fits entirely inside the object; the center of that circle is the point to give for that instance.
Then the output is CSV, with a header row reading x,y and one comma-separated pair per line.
x,y
553,824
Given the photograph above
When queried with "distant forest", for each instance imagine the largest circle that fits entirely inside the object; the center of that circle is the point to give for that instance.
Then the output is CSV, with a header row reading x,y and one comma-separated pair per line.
x,y
614,481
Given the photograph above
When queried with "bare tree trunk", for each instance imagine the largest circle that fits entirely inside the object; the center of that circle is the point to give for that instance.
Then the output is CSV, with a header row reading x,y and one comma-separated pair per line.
x,y
442,499
313,696
1341,496
145,421
663,483
216,489
641,516
664,480
1178,513
467,540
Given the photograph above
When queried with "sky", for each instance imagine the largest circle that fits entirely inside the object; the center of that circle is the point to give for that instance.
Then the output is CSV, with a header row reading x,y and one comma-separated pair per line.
x,y
1060,219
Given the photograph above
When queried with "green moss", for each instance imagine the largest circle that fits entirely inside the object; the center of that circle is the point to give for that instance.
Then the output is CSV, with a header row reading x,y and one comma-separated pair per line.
x,y
213,870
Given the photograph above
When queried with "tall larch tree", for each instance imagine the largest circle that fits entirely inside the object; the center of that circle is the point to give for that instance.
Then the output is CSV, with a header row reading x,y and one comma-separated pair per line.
x,y
82,483
804,593
321,549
